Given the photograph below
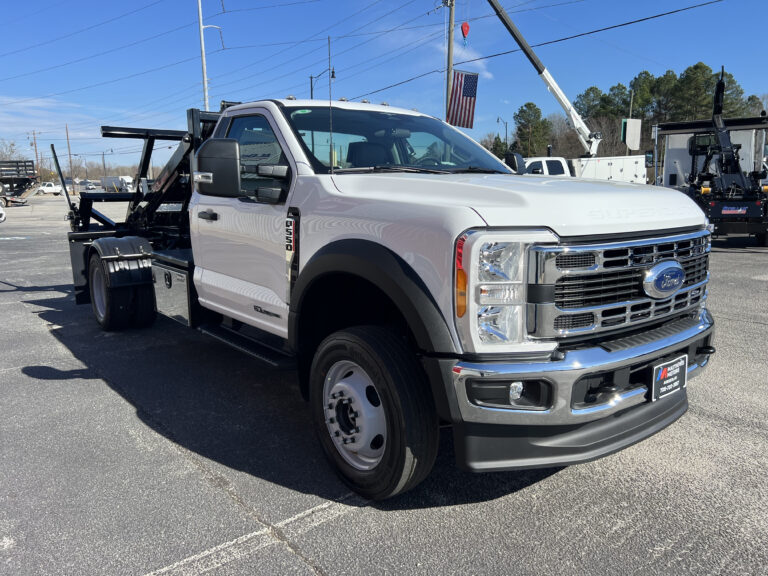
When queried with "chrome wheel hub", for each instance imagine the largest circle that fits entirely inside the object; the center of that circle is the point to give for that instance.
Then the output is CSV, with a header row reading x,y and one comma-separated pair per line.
x,y
354,415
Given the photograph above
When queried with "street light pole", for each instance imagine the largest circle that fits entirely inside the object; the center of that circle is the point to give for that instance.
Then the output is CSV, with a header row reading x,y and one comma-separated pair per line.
x,y
202,53
313,79
202,50
506,143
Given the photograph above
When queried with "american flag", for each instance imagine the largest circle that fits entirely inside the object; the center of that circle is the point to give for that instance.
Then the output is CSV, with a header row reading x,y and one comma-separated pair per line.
x,y
461,106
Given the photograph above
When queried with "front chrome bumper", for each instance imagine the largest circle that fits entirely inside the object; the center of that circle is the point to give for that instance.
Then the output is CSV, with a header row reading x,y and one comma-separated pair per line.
x,y
563,374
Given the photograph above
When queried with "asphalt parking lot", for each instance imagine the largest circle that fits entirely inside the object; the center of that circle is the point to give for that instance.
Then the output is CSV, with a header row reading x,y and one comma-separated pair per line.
x,y
164,452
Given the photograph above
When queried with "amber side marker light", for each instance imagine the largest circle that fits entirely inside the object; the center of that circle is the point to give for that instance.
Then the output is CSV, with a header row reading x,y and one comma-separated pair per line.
x,y
461,279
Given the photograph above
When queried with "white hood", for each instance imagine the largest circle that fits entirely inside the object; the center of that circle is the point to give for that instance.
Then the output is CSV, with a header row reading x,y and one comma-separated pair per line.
x,y
568,206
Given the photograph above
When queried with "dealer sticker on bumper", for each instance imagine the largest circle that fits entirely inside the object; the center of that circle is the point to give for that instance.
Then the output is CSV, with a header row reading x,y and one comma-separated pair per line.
x,y
669,377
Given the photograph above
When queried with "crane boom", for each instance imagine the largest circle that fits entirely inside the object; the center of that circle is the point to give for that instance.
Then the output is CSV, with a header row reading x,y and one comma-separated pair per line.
x,y
589,140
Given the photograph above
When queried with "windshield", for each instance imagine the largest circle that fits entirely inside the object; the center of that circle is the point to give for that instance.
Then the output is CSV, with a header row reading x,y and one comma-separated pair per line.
x,y
365,140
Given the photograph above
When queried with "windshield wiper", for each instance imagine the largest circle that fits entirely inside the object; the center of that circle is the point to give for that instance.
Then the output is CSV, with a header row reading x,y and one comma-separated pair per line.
x,y
478,170
391,168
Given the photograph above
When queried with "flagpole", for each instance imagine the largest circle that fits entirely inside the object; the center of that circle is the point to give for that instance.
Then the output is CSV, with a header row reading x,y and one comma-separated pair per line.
x,y
449,75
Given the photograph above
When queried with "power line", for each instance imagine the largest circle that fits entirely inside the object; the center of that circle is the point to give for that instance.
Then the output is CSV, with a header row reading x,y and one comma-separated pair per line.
x,y
302,56
572,37
367,7
98,54
105,82
76,32
225,11
35,13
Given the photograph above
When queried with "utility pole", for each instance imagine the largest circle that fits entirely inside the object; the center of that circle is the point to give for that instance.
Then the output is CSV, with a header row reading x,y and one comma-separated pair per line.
x,y
37,162
69,151
103,165
451,4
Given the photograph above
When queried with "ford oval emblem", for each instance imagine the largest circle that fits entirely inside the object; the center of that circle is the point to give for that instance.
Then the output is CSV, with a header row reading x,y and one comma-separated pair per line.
x,y
664,279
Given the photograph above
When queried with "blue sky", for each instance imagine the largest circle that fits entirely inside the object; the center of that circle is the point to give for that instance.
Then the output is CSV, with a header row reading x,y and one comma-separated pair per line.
x,y
86,63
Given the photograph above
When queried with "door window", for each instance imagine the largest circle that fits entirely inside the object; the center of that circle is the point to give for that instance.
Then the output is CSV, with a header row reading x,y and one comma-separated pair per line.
x,y
258,147
555,168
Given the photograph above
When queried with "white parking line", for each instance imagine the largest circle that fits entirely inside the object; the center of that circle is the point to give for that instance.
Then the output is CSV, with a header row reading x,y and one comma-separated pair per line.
x,y
246,545
220,555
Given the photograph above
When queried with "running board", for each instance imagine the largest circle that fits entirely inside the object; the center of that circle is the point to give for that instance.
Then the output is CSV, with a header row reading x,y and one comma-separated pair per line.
x,y
255,349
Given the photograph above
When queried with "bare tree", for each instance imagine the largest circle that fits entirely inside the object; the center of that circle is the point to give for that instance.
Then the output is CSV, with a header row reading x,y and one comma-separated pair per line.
x,y
563,137
9,150
487,140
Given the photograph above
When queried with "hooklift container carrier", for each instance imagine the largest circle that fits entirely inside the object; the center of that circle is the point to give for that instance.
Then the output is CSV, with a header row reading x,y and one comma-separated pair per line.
x,y
412,280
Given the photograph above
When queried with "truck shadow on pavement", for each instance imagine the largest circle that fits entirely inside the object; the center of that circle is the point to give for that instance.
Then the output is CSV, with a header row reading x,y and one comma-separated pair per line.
x,y
218,404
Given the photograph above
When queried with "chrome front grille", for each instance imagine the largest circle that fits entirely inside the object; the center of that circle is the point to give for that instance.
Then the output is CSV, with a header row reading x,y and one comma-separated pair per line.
x,y
599,287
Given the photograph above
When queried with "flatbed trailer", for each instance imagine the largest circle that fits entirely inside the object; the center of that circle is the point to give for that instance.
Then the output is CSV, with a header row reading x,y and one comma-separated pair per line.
x,y
17,176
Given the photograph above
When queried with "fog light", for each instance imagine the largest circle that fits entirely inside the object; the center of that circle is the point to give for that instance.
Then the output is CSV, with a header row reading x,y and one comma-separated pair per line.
x,y
515,391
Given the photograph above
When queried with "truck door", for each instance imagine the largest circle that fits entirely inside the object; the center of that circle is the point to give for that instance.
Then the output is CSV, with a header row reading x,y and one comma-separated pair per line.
x,y
238,240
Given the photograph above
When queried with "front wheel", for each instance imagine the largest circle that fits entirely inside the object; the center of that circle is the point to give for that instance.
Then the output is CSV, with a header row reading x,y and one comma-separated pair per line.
x,y
373,411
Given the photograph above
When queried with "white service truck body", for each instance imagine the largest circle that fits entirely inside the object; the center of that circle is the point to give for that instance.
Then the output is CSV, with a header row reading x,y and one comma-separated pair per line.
x,y
614,168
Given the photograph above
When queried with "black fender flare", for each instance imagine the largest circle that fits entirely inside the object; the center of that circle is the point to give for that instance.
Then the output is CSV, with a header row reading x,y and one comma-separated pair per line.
x,y
390,273
128,260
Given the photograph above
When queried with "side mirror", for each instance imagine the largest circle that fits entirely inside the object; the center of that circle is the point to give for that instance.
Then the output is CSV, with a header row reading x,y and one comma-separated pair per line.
x,y
273,171
537,171
218,168
515,161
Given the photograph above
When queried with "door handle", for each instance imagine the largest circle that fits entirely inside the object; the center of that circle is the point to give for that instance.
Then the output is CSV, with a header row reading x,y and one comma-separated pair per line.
x,y
209,215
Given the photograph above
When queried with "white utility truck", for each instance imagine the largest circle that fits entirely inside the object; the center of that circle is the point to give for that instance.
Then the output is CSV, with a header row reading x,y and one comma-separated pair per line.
x,y
411,280
616,168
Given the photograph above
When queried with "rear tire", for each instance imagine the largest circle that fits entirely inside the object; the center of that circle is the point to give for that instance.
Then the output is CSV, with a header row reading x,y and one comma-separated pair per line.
x,y
111,306
144,313
373,411
3,202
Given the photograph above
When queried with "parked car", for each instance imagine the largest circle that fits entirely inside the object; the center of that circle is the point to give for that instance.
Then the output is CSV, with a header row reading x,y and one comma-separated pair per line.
x,y
50,188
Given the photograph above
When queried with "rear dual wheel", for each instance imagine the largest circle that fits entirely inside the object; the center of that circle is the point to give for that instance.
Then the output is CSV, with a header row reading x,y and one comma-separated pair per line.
x,y
373,411
117,308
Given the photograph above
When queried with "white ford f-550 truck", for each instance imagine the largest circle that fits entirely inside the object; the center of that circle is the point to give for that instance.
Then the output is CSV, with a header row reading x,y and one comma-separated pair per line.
x,y
412,280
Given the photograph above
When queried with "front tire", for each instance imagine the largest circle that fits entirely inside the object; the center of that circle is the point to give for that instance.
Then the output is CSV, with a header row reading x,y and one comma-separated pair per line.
x,y
373,411
111,306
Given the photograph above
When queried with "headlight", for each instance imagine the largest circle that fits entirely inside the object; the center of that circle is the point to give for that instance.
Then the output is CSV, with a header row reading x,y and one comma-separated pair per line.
x,y
490,294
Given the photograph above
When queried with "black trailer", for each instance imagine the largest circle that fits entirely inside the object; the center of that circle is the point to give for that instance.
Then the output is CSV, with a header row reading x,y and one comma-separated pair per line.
x,y
734,200
15,177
